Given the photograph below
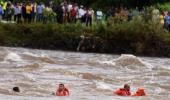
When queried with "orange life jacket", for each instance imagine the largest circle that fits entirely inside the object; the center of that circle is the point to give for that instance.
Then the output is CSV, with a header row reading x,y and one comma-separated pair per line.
x,y
122,92
64,92
140,92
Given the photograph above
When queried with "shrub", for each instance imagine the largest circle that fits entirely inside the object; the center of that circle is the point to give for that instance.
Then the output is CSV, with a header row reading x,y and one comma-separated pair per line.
x,y
164,6
137,37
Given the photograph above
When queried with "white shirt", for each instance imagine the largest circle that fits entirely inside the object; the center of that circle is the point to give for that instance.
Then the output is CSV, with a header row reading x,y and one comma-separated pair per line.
x,y
70,7
99,14
82,12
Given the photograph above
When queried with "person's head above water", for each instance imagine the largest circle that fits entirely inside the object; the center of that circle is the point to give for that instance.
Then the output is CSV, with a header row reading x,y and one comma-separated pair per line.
x,y
61,86
16,89
62,91
125,91
127,87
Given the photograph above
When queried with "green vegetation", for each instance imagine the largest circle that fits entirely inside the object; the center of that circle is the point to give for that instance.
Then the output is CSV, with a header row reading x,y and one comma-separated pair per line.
x,y
137,37
128,3
164,6
141,36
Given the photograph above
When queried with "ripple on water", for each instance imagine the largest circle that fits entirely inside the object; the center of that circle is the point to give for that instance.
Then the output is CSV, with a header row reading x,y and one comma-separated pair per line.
x,y
88,76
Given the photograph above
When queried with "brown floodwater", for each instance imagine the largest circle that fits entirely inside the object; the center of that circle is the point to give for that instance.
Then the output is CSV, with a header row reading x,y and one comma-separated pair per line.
x,y
88,76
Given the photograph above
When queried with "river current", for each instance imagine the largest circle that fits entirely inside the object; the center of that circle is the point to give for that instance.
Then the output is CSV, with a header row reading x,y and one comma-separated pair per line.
x,y
88,76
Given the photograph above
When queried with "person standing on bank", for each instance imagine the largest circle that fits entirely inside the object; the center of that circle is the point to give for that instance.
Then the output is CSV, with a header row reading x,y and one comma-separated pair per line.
x,y
28,12
89,14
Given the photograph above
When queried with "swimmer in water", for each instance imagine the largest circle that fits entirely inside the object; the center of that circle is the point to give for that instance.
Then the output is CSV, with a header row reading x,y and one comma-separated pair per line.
x,y
16,89
125,91
62,91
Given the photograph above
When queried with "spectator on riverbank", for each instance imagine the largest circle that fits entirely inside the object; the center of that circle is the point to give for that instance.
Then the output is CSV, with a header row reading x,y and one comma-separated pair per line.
x,y
17,13
69,9
81,13
34,11
167,22
73,14
24,15
48,15
4,6
28,12
8,13
65,14
161,18
1,12
165,13
99,15
89,17
40,10
60,13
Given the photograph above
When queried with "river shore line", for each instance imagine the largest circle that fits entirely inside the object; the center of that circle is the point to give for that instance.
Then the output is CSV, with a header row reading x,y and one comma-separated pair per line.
x,y
138,38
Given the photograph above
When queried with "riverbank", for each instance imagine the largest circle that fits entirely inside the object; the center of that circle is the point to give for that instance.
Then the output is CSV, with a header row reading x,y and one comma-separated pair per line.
x,y
134,37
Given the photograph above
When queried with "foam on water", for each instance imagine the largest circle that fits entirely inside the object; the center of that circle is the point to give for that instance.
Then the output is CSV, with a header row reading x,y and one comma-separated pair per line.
x,y
30,54
41,57
11,56
29,76
102,85
86,75
111,63
35,55
128,61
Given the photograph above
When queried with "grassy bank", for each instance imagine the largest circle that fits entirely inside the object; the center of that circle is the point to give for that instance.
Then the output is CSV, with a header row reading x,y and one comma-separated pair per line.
x,y
136,37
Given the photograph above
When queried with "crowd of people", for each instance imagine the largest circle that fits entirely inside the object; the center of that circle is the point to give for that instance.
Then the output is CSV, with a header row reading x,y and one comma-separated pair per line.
x,y
69,12
65,12
155,15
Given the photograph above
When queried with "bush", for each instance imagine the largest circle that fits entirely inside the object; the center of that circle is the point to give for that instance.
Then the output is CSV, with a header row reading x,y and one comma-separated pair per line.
x,y
137,37
164,6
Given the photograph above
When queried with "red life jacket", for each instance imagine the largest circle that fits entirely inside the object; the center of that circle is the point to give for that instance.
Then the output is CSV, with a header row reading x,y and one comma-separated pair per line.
x,y
122,92
64,92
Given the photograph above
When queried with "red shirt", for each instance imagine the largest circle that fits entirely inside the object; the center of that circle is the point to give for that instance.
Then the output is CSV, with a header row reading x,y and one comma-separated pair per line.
x,y
64,92
73,12
122,92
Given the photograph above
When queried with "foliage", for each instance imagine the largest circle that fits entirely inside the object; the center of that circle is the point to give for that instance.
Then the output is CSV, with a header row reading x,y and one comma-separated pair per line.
x,y
164,6
116,3
137,37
